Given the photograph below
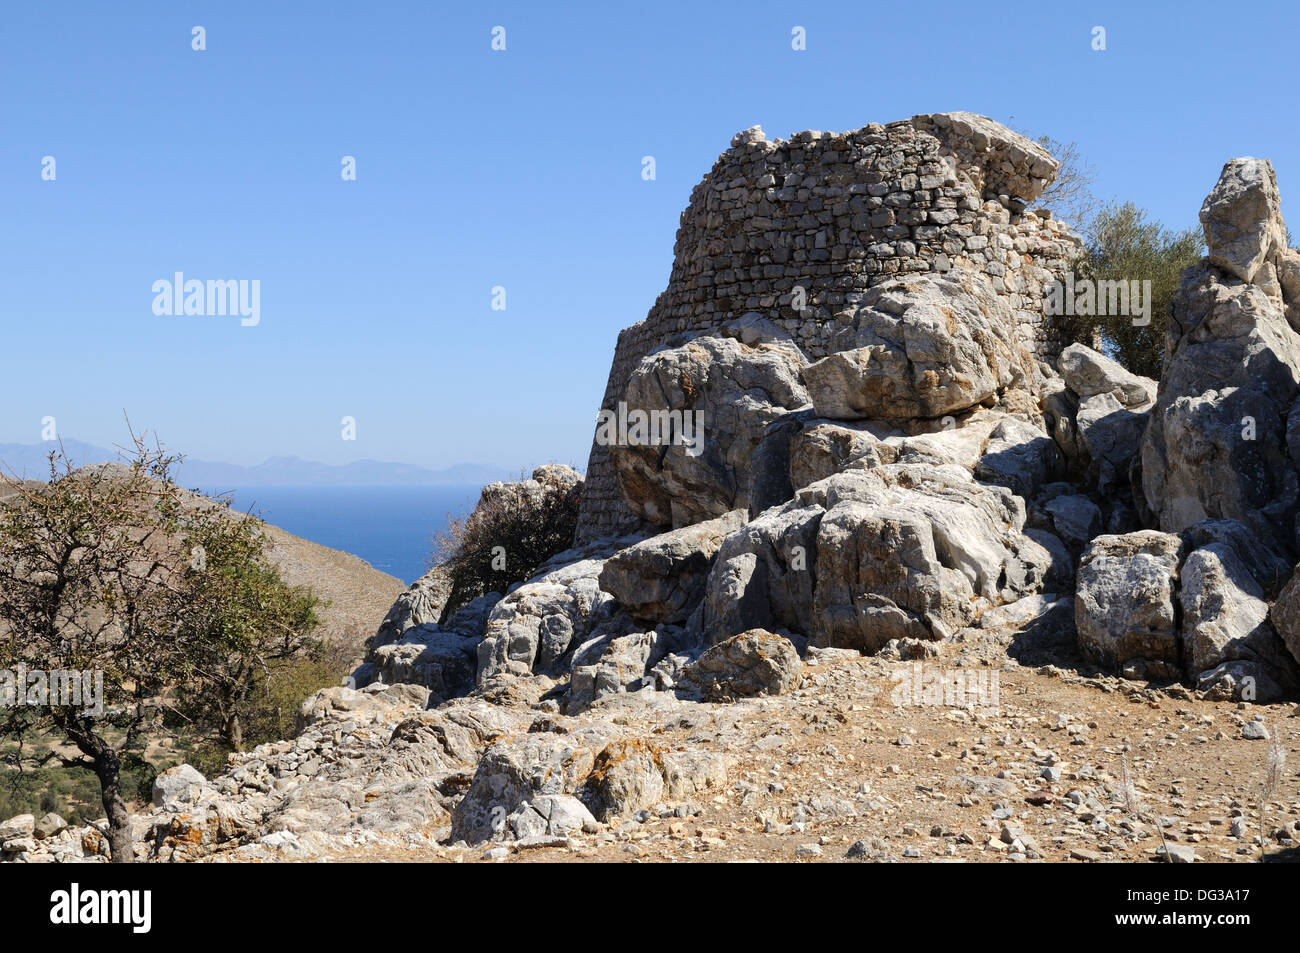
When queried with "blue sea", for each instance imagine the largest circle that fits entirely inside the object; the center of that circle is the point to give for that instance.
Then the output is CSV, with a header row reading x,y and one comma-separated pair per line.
x,y
390,527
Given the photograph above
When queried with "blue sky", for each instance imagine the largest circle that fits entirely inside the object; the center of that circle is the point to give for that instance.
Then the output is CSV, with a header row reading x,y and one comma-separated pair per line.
x,y
477,169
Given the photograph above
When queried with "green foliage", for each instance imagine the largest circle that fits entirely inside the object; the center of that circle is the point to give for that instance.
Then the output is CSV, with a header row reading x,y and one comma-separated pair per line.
x,y
1122,244
270,708
246,627
71,793
504,541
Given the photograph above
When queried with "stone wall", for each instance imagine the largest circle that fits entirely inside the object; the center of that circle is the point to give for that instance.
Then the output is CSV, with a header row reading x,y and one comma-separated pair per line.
x,y
824,216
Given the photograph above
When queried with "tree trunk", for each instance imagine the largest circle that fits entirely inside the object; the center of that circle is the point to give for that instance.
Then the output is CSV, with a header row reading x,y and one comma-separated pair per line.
x,y
235,733
108,767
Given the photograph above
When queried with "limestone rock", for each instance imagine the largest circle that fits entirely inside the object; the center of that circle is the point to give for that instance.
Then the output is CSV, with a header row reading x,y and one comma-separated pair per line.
x,y
513,772
1089,374
1285,615
1242,218
1225,619
822,448
628,775
443,662
730,393
1125,603
48,826
1110,411
1076,519
177,787
551,815
756,662
610,666
662,578
421,604
1216,445
921,346
1020,457
866,556
537,625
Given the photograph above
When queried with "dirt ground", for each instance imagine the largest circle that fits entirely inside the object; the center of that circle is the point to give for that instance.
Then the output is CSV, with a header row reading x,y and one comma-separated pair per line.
x,y
837,770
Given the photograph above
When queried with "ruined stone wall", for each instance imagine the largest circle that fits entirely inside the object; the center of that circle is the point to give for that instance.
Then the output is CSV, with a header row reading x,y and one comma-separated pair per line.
x,y
832,214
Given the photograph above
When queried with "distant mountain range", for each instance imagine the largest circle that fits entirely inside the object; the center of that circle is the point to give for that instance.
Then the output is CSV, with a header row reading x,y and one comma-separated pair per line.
x,y
30,461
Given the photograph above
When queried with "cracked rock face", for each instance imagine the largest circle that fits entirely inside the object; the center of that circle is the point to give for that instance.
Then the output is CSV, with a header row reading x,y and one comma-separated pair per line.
x,y
1124,604
1217,443
1242,218
730,391
922,346
1163,606
868,556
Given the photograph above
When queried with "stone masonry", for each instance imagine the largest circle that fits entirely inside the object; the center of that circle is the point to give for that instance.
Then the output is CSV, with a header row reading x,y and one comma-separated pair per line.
x,y
823,217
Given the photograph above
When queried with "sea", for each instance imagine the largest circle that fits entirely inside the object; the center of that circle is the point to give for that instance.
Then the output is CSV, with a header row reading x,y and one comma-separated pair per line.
x,y
390,527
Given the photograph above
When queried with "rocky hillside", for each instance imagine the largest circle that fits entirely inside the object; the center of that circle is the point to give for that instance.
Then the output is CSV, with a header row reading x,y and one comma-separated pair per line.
x,y
929,587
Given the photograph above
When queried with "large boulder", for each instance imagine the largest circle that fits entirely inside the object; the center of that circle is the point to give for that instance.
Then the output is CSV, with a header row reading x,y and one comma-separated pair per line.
x,y
1110,414
1193,605
725,393
866,556
513,773
752,663
177,788
662,578
1090,374
921,346
1242,218
1225,620
1125,603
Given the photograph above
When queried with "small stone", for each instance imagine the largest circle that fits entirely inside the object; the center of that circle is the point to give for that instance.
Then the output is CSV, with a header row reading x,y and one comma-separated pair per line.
x,y
1254,731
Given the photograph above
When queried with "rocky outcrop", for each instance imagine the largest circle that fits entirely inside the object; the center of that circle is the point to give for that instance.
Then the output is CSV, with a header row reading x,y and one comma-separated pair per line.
x,y
795,231
1165,606
706,404
662,579
536,627
1217,446
867,556
921,346
1109,415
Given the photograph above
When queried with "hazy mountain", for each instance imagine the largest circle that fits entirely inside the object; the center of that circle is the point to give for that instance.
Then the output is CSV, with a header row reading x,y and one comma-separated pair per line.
x,y
30,461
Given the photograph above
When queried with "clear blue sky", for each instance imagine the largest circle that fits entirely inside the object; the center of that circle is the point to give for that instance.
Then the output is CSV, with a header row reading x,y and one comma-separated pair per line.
x,y
478,168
